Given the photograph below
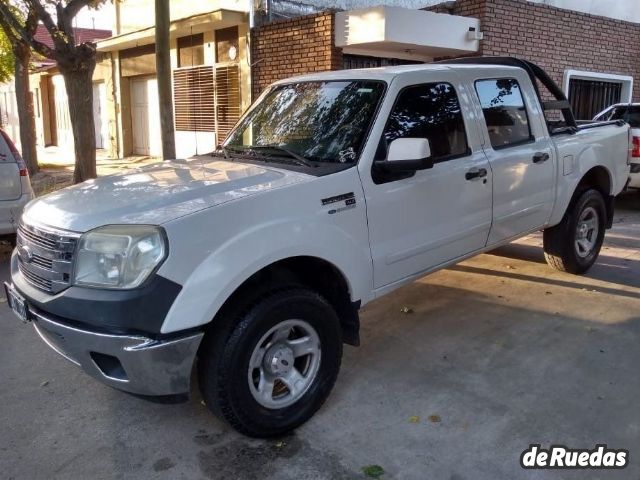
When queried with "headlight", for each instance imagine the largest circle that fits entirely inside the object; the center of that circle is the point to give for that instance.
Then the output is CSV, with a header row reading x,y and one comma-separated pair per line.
x,y
118,256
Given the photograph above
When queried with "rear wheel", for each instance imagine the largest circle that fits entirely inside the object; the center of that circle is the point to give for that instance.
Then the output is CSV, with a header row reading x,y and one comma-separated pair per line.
x,y
271,368
574,244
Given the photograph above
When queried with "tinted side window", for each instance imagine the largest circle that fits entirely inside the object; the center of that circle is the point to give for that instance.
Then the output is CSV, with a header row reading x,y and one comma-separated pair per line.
x,y
504,111
429,111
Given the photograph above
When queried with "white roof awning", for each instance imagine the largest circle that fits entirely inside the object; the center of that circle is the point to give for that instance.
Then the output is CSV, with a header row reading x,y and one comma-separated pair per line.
x,y
396,32
186,26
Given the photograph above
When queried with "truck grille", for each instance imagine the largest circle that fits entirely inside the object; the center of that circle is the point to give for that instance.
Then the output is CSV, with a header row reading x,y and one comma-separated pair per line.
x,y
45,257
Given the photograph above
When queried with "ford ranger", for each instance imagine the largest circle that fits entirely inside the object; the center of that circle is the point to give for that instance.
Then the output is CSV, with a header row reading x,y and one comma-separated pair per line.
x,y
251,263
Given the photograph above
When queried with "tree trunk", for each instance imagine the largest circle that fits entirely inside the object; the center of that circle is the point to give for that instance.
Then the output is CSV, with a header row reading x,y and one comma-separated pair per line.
x,y
163,69
78,73
24,101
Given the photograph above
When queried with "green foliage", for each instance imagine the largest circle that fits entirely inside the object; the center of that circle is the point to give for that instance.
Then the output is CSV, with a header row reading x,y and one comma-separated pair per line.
x,y
6,58
373,471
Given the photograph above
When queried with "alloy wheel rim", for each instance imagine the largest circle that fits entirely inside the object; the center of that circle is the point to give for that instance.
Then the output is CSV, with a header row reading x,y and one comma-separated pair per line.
x,y
284,364
587,232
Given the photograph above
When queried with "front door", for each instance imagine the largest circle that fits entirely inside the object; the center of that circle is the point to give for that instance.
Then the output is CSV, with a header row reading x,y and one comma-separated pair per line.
x,y
64,132
422,220
99,114
520,153
145,117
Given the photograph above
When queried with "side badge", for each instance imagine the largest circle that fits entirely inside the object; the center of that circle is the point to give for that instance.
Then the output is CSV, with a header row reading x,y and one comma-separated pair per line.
x,y
349,200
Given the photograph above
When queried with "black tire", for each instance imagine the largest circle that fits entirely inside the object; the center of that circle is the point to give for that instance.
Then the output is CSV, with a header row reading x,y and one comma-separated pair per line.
x,y
223,362
560,248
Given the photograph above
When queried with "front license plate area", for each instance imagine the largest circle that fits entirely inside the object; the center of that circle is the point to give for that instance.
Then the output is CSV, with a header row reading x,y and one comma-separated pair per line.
x,y
17,303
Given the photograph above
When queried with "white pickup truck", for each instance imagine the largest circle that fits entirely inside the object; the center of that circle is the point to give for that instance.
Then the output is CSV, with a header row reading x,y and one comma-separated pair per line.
x,y
335,188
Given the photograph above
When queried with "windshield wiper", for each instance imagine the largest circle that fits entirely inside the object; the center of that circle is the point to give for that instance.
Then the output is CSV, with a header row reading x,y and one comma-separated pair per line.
x,y
299,159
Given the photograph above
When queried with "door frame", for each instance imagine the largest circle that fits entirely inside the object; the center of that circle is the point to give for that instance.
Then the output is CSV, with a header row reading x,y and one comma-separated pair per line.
x,y
386,256
143,79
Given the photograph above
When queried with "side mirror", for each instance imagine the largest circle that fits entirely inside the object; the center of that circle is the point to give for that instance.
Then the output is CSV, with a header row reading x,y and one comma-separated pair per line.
x,y
407,155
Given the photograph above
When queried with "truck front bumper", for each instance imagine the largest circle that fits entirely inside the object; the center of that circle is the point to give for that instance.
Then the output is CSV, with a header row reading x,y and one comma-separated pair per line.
x,y
132,363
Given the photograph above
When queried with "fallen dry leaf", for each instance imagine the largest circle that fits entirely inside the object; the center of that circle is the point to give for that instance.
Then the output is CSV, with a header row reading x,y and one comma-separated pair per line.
x,y
414,419
406,310
435,418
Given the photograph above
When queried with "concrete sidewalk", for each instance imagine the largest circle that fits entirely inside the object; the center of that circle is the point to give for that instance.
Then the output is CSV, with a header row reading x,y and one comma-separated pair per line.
x,y
55,156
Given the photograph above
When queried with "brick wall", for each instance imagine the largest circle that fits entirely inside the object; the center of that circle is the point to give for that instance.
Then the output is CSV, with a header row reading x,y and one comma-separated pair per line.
x,y
554,38
293,47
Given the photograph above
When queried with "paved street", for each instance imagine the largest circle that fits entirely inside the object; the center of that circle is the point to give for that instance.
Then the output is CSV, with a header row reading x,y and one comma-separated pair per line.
x,y
493,355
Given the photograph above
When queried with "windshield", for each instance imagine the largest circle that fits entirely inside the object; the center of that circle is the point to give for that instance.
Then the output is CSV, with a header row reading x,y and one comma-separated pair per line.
x,y
312,121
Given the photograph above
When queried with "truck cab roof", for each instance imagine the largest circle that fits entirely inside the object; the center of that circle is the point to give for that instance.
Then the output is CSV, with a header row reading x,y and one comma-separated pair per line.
x,y
389,73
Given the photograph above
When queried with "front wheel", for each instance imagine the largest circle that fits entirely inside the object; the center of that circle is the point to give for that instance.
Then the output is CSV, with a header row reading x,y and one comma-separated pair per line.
x,y
574,244
272,368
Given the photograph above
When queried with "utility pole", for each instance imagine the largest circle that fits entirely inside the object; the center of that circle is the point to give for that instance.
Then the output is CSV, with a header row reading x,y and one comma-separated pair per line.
x,y
163,69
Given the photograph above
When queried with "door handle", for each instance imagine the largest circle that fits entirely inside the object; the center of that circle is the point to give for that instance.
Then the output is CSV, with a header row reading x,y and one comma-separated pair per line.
x,y
541,157
475,173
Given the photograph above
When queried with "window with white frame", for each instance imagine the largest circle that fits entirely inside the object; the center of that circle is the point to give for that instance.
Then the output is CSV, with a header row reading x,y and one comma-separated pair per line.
x,y
590,92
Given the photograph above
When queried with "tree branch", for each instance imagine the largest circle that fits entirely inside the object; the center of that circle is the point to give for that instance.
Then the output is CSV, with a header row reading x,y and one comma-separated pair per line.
x,y
74,6
43,16
59,37
64,23
11,34
12,25
31,24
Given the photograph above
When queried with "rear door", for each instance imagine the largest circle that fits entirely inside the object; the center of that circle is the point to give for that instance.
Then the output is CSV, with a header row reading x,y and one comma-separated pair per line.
x,y
522,157
10,184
